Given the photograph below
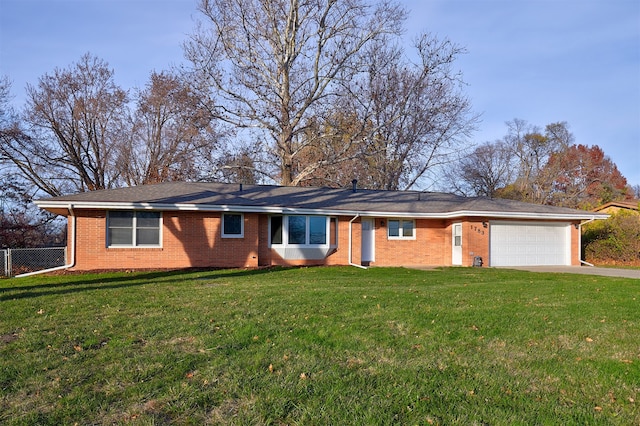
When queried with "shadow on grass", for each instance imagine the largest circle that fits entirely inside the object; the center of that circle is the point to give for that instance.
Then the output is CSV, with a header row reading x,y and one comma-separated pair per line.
x,y
111,282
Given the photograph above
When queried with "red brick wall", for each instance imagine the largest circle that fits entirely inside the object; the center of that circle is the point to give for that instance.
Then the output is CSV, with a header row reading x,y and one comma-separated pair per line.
x,y
264,252
189,239
356,240
575,244
341,257
193,239
432,245
475,240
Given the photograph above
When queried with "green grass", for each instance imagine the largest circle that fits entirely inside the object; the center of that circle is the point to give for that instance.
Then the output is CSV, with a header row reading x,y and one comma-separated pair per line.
x,y
320,346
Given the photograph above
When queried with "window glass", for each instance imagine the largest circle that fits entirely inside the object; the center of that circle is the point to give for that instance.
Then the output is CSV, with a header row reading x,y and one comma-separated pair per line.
x,y
147,228
232,224
120,219
317,230
120,236
297,229
120,228
147,219
394,228
407,228
276,229
457,232
147,236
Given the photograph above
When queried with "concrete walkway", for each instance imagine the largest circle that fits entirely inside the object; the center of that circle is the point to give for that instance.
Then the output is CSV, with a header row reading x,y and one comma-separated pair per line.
x,y
585,270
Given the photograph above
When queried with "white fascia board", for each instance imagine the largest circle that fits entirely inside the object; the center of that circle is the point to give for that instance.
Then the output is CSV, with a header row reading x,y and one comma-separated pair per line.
x,y
521,215
329,212
44,204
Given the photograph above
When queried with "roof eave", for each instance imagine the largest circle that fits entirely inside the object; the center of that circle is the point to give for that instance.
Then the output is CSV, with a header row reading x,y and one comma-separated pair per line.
x,y
58,206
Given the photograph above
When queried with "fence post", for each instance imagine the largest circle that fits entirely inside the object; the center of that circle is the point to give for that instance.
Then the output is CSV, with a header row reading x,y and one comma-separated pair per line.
x,y
9,268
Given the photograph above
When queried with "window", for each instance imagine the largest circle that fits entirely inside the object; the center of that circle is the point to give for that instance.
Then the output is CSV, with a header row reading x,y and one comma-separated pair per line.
x,y
317,230
401,229
299,230
232,225
276,229
147,228
457,235
133,229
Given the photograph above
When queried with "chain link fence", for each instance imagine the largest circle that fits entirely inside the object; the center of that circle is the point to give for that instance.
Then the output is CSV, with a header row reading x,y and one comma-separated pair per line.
x,y
4,263
21,261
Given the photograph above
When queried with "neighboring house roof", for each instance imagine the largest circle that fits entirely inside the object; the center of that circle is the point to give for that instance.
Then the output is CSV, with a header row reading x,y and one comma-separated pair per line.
x,y
306,200
614,206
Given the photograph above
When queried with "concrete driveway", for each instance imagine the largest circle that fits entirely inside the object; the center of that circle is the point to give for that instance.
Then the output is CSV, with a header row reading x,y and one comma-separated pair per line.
x,y
585,270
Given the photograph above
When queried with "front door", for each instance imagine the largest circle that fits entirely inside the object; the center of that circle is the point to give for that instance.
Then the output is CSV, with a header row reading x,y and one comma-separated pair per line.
x,y
368,241
456,253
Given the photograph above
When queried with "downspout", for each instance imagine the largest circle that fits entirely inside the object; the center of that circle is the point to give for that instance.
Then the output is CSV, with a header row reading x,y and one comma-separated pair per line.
x,y
580,241
72,261
350,262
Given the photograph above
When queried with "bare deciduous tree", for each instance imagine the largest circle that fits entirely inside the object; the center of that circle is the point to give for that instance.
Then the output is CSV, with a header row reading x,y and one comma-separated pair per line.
x,y
542,168
415,113
21,223
485,171
273,65
74,117
337,155
237,167
532,149
172,135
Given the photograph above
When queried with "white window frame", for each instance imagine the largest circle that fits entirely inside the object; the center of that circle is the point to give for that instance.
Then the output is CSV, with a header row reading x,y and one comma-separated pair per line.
x,y
401,228
285,231
225,235
134,227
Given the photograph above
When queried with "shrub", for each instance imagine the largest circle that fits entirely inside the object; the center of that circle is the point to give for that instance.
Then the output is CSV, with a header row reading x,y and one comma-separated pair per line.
x,y
614,241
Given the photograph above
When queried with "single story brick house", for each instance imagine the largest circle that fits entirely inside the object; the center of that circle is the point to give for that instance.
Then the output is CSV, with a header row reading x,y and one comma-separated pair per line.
x,y
194,224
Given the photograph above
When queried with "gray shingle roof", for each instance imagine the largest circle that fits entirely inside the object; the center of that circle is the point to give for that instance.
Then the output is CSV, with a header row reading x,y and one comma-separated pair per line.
x,y
254,197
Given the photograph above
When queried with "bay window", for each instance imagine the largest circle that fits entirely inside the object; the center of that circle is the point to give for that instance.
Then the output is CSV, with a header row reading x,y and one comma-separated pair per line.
x,y
299,230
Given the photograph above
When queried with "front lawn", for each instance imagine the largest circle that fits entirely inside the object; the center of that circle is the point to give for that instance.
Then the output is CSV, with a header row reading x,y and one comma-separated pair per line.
x,y
320,346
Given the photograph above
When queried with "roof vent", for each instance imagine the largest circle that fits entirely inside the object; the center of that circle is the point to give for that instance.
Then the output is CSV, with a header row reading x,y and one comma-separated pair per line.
x,y
355,185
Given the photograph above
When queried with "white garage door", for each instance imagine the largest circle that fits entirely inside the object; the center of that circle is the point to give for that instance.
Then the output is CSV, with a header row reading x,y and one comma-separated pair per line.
x,y
528,243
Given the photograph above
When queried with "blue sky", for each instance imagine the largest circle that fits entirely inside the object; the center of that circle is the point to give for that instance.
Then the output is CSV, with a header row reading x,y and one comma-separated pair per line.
x,y
542,61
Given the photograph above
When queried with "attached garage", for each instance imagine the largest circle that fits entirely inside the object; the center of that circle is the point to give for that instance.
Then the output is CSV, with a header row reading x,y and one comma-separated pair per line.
x,y
530,243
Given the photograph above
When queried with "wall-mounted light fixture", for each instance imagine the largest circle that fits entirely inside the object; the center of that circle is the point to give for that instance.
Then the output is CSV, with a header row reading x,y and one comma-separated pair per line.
x,y
382,222
484,224
576,225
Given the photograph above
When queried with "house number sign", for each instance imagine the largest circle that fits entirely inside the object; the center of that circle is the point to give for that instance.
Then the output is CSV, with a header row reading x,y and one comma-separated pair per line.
x,y
477,229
